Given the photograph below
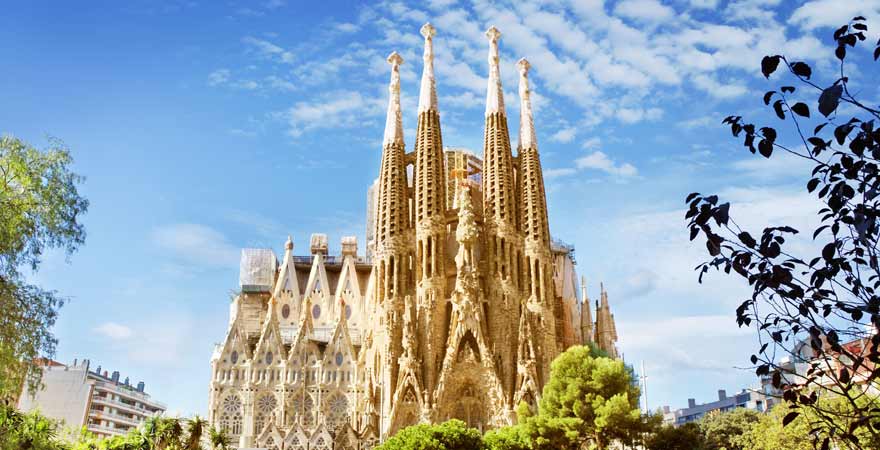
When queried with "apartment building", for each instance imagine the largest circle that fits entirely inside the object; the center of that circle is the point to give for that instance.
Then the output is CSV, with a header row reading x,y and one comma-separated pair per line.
x,y
81,397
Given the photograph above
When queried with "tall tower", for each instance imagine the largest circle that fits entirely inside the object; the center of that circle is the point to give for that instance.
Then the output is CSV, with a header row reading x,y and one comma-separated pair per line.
x,y
502,236
606,330
392,253
586,315
539,261
430,223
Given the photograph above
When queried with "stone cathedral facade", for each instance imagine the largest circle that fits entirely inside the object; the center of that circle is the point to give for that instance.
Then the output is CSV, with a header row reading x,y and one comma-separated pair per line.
x,y
457,312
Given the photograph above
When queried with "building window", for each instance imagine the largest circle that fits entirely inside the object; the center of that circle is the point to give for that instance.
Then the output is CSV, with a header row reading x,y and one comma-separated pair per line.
x,y
231,415
316,311
285,311
265,412
268,357
234,357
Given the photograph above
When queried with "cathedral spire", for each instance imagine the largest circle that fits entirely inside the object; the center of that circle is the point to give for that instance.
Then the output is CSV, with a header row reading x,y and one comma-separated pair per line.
x,y
527,137
428,93
494,92
586,314
394,122
429,201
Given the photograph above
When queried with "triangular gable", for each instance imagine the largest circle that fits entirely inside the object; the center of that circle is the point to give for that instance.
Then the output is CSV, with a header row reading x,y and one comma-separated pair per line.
x,y
346,439
302,344
270,338
287,282
270,436
348,279
235,341
321,439
318,290
340,343
296,439
369,437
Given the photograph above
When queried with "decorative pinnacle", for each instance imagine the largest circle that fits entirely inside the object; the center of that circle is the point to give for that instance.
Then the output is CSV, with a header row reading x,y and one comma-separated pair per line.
x,y
394,120
494,92
428,91
289,244
428,30
527,137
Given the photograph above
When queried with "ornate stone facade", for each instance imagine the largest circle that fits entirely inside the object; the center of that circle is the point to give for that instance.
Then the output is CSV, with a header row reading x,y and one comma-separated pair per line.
x,y
456,312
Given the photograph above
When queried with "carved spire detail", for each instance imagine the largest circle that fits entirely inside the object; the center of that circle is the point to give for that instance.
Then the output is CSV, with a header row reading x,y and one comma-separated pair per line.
x,y
428,93
393,121
527,137
494,91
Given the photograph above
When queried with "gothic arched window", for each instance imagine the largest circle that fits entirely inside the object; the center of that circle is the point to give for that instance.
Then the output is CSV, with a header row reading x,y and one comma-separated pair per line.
x,y
231,415
337,411
265,411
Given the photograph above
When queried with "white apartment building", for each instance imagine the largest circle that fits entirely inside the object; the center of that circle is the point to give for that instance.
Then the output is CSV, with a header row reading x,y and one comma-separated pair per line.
x,y
79,397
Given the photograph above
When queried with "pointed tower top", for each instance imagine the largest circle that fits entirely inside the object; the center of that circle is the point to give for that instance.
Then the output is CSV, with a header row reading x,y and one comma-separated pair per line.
x,y
527,137
428,93
289,244
394,121
494,92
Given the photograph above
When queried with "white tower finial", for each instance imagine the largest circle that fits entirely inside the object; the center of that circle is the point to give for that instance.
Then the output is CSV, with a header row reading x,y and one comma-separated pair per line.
x,y
494,92
527,137
394,120
428,93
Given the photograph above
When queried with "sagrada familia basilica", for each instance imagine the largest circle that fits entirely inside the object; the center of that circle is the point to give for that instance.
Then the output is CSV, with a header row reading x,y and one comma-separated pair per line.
x,y
457,311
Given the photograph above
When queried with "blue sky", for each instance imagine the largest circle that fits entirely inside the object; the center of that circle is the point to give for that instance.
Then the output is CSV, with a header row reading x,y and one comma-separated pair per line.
x,y
204,127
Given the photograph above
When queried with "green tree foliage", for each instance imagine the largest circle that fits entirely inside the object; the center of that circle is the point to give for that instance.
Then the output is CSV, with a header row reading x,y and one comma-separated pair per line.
x,y
450,435
685,437
30,431
825,297
40,208
725,431
769,434
160,433
587,399
508,438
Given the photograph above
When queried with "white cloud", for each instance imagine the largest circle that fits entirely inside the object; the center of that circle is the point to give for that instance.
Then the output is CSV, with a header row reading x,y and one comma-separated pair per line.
x,y
550,174
196,244
346,27
600,161
564,135
335,110
269,50
113,330
717,89
644,10
218,77
834,13
704,4
633,115
592,143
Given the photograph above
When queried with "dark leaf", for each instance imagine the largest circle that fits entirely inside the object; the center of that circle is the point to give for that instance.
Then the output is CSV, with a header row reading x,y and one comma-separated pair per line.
x,y
777,106
860,26
811,185
829,99
840,52
876,53
747,239
801,69
769,65
787,89
801,109
789,417
767,96
765,147
828,251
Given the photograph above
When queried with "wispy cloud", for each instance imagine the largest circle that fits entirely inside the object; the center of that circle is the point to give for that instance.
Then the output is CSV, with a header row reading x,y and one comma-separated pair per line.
x,y
113,330
196,244
598,160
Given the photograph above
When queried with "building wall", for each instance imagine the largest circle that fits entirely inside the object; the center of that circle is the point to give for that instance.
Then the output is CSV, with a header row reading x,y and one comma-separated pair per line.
x,y
65,396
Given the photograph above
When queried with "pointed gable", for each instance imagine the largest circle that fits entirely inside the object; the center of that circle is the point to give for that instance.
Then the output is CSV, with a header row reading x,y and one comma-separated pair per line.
x,y
339,354
270,348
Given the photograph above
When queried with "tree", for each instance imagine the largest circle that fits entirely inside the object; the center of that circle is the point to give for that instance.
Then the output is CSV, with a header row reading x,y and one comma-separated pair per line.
x,y
769,434
725,431
218,438
688,436
30,431
508,438
450,435
826,298
587,399
40,208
